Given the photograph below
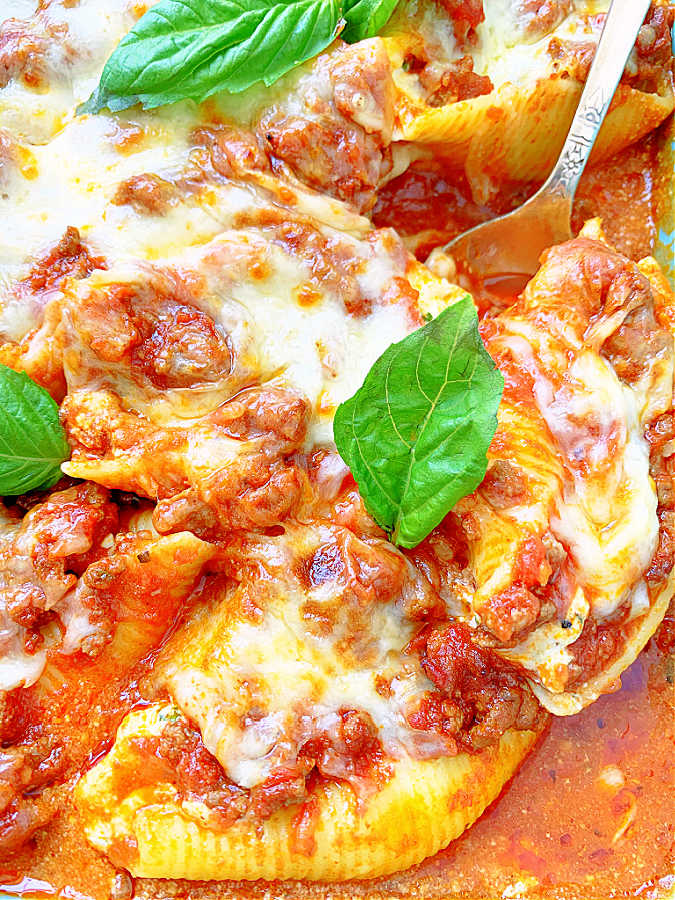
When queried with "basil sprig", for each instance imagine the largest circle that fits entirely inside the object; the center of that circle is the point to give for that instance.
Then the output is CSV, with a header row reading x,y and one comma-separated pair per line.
x,y
32,442
415,435
191,49
365,18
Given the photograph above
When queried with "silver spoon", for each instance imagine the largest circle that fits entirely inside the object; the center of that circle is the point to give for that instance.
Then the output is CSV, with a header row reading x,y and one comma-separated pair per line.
x,y
510,245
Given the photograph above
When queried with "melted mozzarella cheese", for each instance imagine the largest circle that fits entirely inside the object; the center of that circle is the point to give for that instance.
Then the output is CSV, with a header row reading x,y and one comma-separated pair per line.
x,y
505,55
257,700
18,668
544,651
78,38
18,573
73,180
606,518
606,511
317,349
501,50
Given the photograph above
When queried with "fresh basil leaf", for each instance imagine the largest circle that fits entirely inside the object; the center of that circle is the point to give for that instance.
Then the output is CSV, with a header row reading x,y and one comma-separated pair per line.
x,y
416,433
32,442
365,18
191,49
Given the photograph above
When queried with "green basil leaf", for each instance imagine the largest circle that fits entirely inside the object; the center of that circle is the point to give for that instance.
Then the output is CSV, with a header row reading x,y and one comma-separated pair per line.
x,y
416,433
365,18
32,442
191,49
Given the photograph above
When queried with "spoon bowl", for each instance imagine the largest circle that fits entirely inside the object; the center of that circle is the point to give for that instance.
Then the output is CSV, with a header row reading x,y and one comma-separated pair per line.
x,y
510,246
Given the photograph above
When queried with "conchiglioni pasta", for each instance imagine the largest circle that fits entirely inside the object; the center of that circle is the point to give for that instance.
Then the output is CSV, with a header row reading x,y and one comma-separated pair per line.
x,y
515,130
304,664
598,503
421,808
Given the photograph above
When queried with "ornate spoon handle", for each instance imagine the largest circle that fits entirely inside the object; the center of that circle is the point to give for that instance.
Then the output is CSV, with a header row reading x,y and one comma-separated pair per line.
x,y
616,42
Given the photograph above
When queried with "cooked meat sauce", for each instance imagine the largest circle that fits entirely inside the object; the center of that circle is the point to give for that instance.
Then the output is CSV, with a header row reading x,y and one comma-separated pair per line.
x,y
49,739
51,736
430,204
648,64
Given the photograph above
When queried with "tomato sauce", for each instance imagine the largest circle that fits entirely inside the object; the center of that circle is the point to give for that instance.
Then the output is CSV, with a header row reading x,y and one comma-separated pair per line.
x,y
591,812
430,203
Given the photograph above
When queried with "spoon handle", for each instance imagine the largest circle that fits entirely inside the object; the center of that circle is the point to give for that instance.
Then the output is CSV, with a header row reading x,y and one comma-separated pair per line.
x,y
616,42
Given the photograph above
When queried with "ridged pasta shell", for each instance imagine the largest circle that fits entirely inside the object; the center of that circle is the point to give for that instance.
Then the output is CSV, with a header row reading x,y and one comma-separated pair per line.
x,y
424,806
516,132
638,634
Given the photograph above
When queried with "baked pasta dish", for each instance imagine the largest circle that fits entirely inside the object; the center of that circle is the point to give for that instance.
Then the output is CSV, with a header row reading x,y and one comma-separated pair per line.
x,y
308,539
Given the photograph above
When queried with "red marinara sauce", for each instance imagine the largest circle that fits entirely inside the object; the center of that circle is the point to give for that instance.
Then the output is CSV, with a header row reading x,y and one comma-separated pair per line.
x,y
430,203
